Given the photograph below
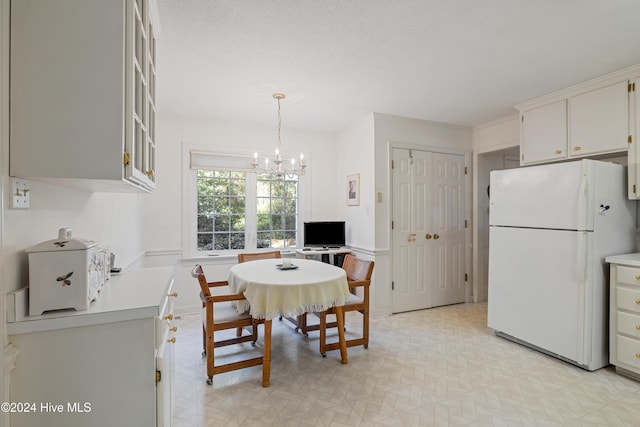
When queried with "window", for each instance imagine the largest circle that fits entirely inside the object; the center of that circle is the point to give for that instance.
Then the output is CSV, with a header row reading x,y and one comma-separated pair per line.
x,y
239,210
221,210
277,211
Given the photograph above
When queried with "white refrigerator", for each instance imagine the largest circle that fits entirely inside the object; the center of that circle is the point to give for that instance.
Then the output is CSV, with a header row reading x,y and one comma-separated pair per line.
x,y
551,227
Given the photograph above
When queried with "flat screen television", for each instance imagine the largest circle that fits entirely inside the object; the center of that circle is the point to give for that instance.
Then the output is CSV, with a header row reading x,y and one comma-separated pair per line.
x,y
327,234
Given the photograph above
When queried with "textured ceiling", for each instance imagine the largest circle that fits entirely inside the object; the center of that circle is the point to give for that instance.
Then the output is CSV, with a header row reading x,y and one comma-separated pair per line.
x,y
463,62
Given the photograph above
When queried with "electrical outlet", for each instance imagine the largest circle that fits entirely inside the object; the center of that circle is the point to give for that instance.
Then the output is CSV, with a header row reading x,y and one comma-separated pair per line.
x,y
19,193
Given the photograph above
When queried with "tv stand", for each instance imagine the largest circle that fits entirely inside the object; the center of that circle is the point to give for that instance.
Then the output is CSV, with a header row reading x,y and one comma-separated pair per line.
x,y
333,256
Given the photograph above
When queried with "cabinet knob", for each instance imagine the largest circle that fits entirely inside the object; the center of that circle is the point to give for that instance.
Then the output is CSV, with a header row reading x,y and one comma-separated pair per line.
x,y
172,340
169,317
577,148
149,174
174,294
175,329
638,301
638,277
558,151
638,355
638,327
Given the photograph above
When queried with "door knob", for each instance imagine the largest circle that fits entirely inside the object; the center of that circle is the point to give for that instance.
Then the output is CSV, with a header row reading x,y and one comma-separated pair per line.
x,y
435,236
428,236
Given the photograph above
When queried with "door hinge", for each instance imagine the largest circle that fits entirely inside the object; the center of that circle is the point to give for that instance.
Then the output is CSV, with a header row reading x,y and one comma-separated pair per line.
x,y
158,377
465,223
632,87
630,139
392,225
392,164
126,159
634,189
522,119
465,170
393,285
465,277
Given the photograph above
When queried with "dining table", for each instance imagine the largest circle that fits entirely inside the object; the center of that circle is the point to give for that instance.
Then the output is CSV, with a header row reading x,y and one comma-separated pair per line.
x,y
273,290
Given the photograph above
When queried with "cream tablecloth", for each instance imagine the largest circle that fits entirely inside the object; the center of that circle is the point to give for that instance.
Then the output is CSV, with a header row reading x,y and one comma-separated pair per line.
x,y
270,292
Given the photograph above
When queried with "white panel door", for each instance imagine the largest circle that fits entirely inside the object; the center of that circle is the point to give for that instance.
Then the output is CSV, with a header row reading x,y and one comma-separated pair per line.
x,y
448,229
411,214
428,229
537,286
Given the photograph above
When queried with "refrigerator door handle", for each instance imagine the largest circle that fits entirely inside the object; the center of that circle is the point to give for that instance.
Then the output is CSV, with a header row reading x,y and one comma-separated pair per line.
x,y
583,194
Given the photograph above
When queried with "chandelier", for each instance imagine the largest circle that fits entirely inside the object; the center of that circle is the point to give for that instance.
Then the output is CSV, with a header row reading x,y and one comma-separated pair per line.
x,y
276,167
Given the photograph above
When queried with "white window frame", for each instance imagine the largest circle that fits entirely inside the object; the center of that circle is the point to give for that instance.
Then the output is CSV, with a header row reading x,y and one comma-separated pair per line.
x,y
234,160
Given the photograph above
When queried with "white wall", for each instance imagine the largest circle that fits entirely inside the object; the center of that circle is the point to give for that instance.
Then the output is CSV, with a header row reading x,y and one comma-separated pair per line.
x,y
356,156
163,208
400,131
112,219
491,141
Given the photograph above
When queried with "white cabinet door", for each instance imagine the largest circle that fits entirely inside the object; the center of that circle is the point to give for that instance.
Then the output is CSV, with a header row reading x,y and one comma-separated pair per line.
x,y
164,381
544,133
90,114
599,120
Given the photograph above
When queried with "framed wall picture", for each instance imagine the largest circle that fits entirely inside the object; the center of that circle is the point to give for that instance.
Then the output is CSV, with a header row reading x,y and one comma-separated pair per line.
x,y
353,190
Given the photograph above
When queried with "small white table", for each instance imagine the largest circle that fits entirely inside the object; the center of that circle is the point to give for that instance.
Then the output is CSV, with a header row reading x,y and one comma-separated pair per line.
x,y
328,255
271,292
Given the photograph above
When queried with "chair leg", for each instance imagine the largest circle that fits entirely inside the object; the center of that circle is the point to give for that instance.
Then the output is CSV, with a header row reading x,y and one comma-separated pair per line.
x,y
344,320
209,350
266,356
302,324
365,328
204,341
341,339
254,332
323,333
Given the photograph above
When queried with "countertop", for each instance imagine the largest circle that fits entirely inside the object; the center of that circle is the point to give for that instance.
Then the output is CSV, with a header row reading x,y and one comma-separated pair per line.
x,y
625,259
130,295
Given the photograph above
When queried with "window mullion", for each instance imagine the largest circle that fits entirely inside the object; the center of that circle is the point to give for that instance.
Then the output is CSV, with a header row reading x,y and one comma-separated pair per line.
x,y
250,211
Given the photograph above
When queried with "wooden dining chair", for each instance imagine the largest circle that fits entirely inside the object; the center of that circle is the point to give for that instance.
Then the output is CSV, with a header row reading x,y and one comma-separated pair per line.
x,y
219,315
258,255
358,276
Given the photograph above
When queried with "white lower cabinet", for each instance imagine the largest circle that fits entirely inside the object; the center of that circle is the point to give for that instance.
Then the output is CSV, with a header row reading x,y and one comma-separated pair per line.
x,y
108,366
624,314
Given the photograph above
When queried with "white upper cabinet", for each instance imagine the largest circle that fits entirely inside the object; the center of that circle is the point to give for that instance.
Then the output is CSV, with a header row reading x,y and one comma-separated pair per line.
x,y
589,119
82,89
544,133
599,120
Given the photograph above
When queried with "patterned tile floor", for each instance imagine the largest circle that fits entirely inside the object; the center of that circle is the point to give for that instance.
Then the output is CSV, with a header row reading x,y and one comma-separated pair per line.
x,y
437,367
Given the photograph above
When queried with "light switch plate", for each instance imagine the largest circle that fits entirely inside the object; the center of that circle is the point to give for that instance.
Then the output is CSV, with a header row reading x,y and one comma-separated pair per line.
x,y
19,193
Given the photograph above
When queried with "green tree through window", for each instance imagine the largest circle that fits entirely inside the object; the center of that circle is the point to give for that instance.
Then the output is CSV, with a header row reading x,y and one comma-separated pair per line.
x,y
222,222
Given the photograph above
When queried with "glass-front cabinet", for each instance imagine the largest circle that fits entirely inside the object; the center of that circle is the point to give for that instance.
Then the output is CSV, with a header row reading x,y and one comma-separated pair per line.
x,y
82,87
